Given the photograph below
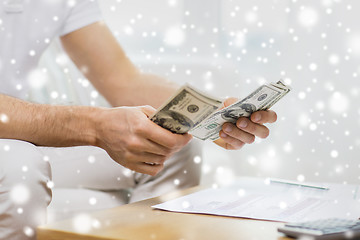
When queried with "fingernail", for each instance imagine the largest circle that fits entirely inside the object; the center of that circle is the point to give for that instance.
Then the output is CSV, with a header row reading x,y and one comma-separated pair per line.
x,y
243,124
223,135
228,128
257,117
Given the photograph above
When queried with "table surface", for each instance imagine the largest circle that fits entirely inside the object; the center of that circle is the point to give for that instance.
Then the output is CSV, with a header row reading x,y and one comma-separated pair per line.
x,y
140,221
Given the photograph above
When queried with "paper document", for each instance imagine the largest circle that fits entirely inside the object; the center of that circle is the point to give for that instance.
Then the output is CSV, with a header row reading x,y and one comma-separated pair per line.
x,y
261,199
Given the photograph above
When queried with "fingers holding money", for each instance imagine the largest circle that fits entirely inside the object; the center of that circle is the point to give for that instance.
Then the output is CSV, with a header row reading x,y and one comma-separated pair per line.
x,y
150,164
230,132
135,142
267,116
151,169
254,129
230,101
229,143
148,110
244,131
234,136
164,138
146,167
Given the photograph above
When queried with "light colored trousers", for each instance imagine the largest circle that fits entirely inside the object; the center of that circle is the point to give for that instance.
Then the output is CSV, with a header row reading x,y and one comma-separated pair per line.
x,y
27,182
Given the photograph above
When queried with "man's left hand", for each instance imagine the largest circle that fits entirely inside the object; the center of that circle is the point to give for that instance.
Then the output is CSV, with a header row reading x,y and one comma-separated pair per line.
x,y
235,136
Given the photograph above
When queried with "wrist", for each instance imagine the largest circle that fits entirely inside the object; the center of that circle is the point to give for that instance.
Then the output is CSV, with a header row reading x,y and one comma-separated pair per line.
x,y
90,119
78,125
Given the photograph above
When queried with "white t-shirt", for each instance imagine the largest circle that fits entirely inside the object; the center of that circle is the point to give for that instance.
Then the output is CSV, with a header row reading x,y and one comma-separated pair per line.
x,y
26,29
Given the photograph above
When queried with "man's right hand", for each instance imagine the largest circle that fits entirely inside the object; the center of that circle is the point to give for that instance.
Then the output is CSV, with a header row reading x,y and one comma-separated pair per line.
x,y
126,133
134,141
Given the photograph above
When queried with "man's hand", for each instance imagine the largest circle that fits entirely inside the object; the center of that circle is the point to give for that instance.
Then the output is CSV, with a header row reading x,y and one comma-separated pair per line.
x,y
126,133
134,141
235,136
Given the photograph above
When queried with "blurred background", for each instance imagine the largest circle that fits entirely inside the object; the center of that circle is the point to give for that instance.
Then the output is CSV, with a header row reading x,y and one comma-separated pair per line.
x,y
229,48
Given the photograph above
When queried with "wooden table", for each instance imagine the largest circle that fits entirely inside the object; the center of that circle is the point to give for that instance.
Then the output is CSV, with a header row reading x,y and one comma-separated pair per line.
x,y
139,221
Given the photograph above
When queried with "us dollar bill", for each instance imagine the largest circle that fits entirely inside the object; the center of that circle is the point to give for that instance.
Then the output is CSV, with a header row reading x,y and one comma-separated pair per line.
x,y
261,99
186,109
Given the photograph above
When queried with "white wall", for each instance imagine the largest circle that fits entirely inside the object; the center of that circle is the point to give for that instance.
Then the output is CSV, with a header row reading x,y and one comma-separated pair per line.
x,y
229,47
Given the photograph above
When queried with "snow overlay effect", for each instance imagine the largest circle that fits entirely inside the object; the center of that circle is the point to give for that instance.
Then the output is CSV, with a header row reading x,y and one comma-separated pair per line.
x,y
228,48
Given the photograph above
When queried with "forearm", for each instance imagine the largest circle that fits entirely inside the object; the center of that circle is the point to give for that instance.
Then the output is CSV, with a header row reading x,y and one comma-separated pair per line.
x,y
141,89
95,51
46,125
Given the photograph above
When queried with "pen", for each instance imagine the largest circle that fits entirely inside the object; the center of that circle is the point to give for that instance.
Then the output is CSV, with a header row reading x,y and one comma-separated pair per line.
x,y
273,180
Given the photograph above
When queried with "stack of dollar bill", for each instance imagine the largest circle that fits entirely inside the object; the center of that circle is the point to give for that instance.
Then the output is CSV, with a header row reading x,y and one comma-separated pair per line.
x,y
190,110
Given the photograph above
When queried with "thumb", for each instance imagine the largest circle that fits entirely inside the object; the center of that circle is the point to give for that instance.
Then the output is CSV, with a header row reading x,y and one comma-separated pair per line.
x,y
148,110
229,101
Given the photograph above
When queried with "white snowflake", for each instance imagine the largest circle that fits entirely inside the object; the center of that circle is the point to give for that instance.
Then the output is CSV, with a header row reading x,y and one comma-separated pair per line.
x,y
20,194
4,118
174,36
82,223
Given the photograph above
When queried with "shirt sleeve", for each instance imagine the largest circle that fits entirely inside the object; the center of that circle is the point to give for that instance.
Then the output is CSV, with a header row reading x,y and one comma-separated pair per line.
x,y
81,14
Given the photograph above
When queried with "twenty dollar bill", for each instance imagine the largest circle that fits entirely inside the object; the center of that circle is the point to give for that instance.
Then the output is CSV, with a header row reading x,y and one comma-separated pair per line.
x,y
185,110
